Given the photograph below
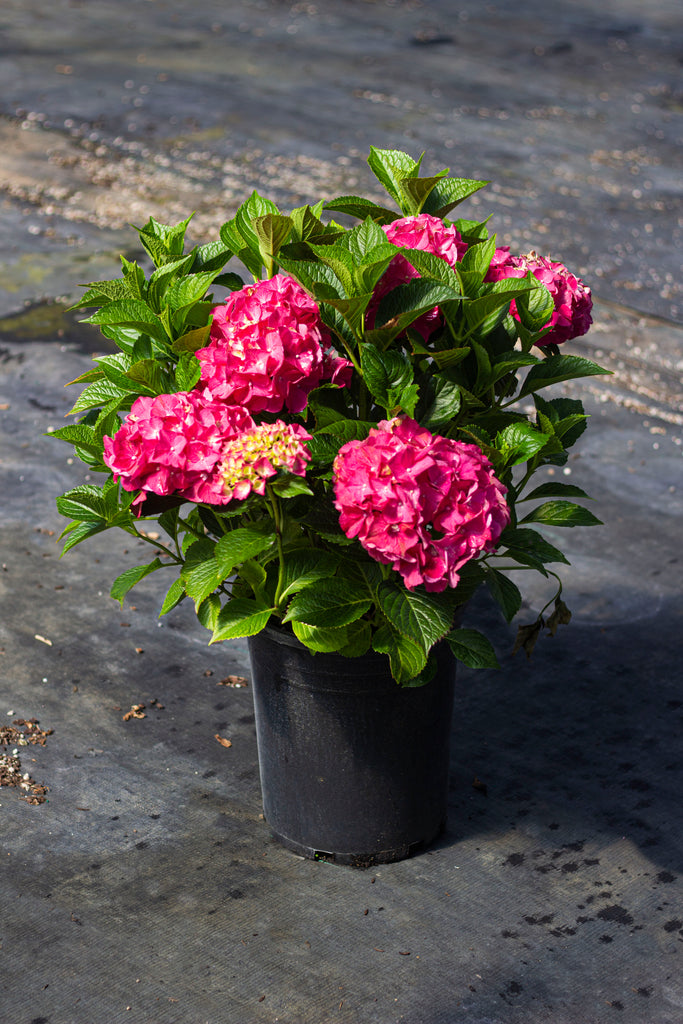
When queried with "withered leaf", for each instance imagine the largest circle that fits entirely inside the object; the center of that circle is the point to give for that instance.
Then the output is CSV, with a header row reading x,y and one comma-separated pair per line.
x,y
222,740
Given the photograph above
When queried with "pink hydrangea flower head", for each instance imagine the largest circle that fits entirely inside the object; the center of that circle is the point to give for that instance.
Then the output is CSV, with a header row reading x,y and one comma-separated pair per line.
x,y
572,299
251,459
429,234
266,348
170,444
423,504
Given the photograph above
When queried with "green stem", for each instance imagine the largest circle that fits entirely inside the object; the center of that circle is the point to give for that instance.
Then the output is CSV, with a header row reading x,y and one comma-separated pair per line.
x,y
160,547
277,518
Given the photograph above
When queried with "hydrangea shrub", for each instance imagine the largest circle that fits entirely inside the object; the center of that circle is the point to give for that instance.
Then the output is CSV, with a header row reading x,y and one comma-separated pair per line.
x,y
327,422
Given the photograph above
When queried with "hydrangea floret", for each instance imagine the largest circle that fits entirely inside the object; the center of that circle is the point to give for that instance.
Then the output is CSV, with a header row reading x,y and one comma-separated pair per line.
x,y
337,429
254,456
422,504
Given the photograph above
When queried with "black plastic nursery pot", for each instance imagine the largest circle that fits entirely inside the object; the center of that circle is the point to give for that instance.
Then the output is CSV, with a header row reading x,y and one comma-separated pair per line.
x,y
354,768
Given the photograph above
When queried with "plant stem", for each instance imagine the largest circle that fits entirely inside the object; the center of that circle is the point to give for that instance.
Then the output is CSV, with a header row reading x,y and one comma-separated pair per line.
x,y
277,518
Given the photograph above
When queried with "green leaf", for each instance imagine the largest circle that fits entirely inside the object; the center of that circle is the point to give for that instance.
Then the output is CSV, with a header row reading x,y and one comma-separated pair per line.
x,y
240,617
128,579
530,547
390,167
562,513
424,618
417,190
188,290
101,292
201,579
80,531
289,485
535,308
175,594
387,375
554,369
406,303
86,502
448,193
187,372
365,239
101,392
326,442
77,433
484,314
305,566
333,602
340,261
472,648
442,403
132,313
192,340
212,256
519,442
164,242
406,658
208,611
272,231
428,264
476,262
555,490
253,573
319,639
357,206
504,592
241,544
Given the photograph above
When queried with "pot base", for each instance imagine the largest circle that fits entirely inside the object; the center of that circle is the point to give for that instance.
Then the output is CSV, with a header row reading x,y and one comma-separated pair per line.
x,y
357,860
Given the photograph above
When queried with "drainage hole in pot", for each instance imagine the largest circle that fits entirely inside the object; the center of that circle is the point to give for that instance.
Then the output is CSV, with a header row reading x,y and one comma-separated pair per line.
x,y
322,855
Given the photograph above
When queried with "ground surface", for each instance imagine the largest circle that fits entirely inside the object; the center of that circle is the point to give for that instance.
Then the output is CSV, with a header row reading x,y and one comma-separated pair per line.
x,y
146,888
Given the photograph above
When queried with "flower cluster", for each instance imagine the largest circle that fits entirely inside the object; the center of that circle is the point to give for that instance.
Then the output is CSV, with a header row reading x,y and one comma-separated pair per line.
x,y
250,459
420,503
172,444
267,348
571,317
429,234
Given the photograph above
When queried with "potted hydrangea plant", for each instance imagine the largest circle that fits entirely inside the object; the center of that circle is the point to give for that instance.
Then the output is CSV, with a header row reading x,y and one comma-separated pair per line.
x,y
338,457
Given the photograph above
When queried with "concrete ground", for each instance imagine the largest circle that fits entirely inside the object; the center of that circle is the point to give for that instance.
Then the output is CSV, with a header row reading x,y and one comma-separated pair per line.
x,y
146,888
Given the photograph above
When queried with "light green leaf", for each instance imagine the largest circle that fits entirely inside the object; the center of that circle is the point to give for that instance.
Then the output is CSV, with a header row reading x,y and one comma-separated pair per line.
x,y
519,442
128,579
406,658
239,545
175,594
187,372
101,392
201,579
240,617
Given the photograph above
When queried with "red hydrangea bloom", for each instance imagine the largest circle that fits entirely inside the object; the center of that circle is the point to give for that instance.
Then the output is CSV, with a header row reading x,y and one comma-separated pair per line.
x,y
171,444
249,460
267,348
571,317
429,234
421,503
